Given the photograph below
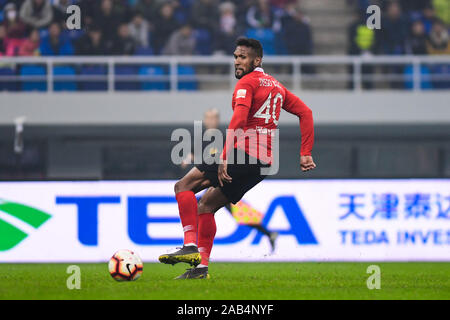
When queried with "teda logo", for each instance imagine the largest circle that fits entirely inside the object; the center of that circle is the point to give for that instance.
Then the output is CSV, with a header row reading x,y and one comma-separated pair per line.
x,y
14,218
140,219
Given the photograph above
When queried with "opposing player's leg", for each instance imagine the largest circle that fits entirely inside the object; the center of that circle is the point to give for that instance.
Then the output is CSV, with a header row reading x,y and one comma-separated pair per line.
x,y
272,235
212,200
185,190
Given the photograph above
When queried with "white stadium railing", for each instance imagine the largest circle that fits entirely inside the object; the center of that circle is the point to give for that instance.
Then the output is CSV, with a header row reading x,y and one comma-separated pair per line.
x,y
340,70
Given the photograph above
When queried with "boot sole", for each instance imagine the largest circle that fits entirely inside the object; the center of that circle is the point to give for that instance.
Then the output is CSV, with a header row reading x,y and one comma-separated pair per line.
x,y
192,258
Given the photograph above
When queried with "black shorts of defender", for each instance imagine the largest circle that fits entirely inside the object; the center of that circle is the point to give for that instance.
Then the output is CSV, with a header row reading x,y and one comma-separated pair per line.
x,y
245,175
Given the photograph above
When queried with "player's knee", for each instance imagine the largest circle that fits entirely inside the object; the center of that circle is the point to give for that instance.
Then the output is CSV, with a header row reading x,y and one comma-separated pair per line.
x,y
204,207
179,187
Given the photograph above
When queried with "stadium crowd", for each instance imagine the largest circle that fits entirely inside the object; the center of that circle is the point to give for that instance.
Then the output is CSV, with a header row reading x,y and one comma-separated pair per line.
x,y
206,27
414,27
407,27
187,27
150,27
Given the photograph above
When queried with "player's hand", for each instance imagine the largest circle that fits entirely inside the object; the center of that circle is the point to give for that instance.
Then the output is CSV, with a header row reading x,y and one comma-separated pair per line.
x,y
222,173
307,163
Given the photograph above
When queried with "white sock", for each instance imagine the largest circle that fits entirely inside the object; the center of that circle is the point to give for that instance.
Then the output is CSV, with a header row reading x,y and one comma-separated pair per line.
x,y
201,266
191,244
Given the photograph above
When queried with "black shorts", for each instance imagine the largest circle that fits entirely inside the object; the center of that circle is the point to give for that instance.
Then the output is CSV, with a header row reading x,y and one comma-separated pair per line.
x,y
245,176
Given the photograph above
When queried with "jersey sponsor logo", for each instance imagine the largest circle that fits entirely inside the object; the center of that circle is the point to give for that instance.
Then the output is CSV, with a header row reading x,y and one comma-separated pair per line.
x,y
241,93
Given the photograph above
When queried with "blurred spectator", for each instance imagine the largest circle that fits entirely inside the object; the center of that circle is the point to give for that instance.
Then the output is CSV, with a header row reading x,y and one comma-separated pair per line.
x,y
30,46
36,13
439,43
415,5
181,42
438,40
241,8
296,32
228,31
4,3
205,15
282,3
124,44
394,30
15,28
427,16
2,40
55,44
182,10
361,42
60,10
417,41
361,38
442,8
89,9
121,8
140,30
165,24
91,44
148,9
108,21
262,16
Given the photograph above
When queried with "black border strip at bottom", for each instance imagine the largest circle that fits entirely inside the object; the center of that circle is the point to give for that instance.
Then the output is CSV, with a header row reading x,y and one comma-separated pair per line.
x,y
233,309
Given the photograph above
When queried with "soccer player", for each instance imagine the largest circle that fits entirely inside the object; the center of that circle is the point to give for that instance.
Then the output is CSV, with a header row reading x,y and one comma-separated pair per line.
x,y
257,101
211,120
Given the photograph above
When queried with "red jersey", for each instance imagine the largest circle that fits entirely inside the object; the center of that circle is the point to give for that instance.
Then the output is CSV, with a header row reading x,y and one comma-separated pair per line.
x,y
257,101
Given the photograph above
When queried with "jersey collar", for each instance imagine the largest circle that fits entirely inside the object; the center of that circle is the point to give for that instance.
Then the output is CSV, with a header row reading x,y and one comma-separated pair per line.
x,y
259,69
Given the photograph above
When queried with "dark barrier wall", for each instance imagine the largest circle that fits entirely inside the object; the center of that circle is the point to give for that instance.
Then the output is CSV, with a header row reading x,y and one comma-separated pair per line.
x,y
143,152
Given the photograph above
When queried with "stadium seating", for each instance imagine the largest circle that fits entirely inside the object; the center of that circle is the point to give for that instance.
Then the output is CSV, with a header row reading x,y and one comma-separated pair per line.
x,y
93,70
33,71
440,70
151,84
144,51
8,85
266,37
64,85
280,45
125,71
185,70
203,42
425,82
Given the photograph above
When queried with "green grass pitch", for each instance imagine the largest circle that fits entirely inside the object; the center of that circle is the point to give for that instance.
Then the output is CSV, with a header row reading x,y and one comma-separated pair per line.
x,y
241,281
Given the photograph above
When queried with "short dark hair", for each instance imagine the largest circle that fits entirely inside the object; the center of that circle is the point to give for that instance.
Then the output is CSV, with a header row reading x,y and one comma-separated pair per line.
x,y
251,43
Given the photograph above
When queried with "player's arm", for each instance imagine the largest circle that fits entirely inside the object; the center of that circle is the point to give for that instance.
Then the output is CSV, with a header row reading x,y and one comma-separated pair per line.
x,y
296,106
244,95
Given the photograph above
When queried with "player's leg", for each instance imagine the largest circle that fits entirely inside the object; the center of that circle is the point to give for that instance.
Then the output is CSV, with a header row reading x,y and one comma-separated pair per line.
x,y
185,189
212,200
272,235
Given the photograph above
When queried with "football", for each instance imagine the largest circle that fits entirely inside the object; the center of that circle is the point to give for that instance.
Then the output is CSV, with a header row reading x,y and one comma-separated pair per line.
x,y
125,265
